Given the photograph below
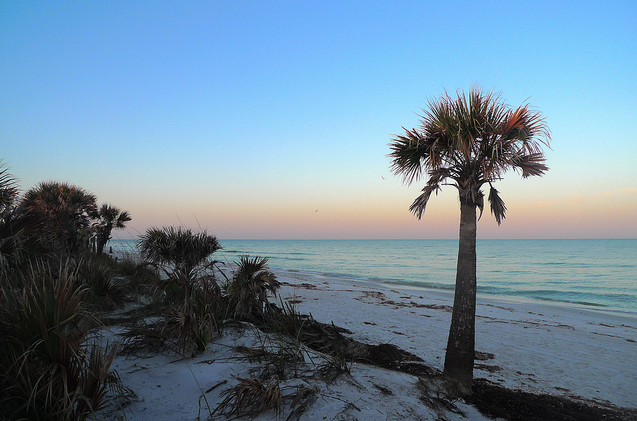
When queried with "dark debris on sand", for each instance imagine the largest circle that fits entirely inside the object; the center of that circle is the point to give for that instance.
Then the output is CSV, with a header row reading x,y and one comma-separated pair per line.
x,y
491,399
494,400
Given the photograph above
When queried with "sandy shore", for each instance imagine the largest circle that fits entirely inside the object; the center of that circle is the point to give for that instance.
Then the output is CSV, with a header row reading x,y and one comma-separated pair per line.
x,y
537,347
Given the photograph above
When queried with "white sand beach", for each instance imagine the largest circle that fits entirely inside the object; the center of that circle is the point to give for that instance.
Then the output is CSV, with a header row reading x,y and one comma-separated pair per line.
x,y
542,348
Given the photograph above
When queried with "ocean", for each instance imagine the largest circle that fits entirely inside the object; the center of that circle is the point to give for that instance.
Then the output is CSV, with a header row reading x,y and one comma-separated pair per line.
x,y
596,274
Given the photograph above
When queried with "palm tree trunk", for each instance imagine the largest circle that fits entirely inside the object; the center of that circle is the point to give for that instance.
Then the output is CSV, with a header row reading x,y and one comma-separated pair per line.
x,y
461,344
103,235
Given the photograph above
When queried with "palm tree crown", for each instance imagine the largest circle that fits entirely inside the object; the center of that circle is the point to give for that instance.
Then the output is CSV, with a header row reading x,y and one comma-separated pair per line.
x,y
469,142
8,188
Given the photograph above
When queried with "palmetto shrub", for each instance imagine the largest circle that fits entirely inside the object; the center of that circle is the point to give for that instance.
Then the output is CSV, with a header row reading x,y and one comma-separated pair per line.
x,y
180,253
50,369
103,290
247,292
195,322
189,284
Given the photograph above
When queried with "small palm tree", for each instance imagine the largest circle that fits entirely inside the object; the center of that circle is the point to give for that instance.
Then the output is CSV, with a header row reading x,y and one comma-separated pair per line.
x,y
65,210
110,217
183,257
248,290
468,142
180,253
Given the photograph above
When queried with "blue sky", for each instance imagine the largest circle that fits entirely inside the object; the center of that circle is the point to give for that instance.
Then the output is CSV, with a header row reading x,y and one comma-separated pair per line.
x,y
246,118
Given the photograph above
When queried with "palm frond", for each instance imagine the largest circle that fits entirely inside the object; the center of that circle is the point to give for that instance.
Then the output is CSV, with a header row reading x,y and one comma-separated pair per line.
x,y
436,178
50,369
409,154
180,248
479,201
498,208
249,288
531,164
8,187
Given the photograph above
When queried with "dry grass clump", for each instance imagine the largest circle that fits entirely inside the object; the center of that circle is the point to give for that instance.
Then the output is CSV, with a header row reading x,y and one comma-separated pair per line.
x,y
251,397
435,394
334,366
144,341
103,291
277,356
303,398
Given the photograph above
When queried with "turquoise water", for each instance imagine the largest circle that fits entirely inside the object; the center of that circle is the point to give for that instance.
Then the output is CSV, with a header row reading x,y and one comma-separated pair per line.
x,y
593,273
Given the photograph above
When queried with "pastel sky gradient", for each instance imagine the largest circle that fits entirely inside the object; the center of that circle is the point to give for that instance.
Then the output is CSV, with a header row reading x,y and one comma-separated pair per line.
x,y
271,119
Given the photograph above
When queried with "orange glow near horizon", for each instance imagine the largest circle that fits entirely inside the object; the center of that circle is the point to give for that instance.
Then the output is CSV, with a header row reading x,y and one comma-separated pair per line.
x,y
571,217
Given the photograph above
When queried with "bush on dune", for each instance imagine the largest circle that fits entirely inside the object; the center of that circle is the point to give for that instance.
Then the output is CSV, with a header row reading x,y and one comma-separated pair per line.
x,y
52,368
189,285
247,292
195,302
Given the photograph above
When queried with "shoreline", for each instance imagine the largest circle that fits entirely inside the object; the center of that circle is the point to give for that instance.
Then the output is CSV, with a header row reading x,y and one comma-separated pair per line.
x,y
604,283
481,296
536,346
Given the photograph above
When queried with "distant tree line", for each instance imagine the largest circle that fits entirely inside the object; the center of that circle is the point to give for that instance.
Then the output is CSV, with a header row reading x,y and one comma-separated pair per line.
x,y
52,218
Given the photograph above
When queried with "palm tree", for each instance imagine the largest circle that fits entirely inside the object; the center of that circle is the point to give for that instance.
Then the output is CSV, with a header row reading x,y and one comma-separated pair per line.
x,y
65,209
180,253
183,257
468,142
109,217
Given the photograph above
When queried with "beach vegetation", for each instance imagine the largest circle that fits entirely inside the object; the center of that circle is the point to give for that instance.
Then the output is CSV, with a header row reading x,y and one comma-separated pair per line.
x,y
252,397
181,254
19,237
247,292
190,285
104,290
65,210
469,142
193,299
108,218
52,367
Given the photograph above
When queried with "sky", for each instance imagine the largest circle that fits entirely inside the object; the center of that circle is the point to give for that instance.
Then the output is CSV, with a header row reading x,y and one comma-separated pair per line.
x,y
272,119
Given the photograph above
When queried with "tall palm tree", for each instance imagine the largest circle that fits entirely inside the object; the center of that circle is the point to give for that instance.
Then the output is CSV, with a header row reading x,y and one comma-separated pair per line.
x,y
109,217
65,209
468,142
